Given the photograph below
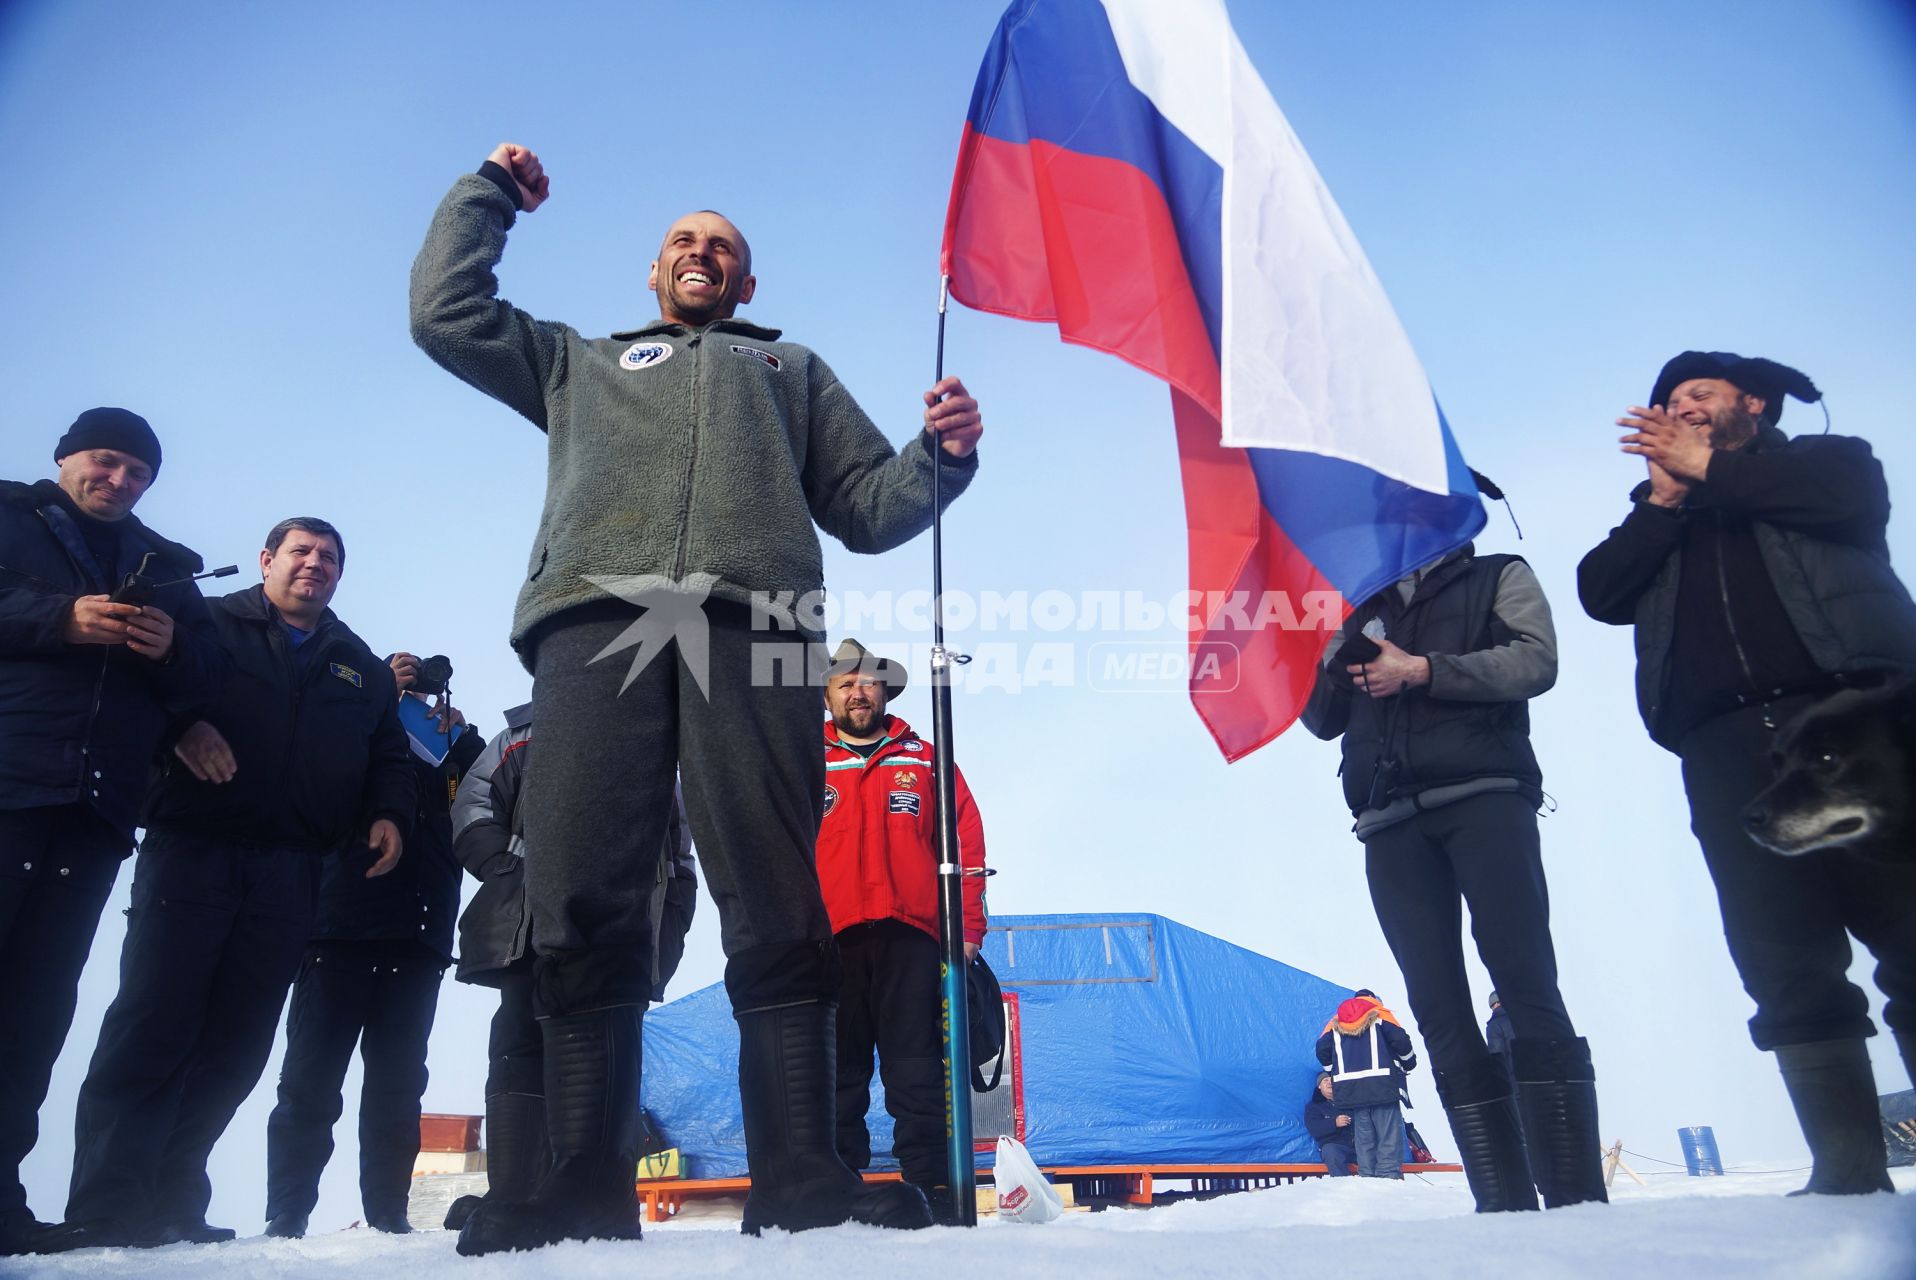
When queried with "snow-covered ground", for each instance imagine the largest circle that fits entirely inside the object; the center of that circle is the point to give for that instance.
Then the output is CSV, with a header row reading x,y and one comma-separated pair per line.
x,y
1739,1226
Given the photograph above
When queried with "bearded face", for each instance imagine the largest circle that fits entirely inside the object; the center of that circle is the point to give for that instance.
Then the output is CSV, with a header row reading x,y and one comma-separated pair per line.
x,y
1723,413
1731,426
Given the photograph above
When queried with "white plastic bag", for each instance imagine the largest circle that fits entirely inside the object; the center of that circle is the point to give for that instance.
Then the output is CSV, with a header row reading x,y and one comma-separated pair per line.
x,y
1023,1193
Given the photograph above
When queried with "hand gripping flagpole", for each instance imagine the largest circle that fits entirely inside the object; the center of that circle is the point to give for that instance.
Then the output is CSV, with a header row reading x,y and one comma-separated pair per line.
x,y
954,1012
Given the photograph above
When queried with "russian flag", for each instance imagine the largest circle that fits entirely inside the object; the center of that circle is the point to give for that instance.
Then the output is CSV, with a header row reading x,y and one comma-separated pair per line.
x,y
1125,174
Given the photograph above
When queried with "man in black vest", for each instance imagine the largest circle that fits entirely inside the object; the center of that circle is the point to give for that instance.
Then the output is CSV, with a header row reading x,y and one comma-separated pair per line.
x,y
1756,572
1439,774
86,688
299,757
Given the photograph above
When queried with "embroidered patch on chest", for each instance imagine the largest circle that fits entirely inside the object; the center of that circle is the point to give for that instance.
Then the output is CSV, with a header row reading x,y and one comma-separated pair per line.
x,y
905,802
831,799
765,358
347,674
906,779
644,355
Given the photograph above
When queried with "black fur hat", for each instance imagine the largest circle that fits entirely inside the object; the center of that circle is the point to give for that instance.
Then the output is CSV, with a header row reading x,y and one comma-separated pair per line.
x,y
1752,375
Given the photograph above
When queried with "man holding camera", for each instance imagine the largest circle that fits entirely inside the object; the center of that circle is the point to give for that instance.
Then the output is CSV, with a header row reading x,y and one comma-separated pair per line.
x,y
691,461
86,688
1429,683
299,757
371,978
1756,571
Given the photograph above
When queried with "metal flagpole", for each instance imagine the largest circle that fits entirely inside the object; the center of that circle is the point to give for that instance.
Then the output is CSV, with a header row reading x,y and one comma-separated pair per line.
x,y
954,1011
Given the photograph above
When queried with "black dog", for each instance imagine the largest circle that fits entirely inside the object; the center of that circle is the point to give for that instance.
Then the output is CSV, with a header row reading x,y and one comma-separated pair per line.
x,y
1845,773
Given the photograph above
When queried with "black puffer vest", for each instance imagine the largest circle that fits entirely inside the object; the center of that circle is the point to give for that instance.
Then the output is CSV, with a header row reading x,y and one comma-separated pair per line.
x,y
1399,746
1849,608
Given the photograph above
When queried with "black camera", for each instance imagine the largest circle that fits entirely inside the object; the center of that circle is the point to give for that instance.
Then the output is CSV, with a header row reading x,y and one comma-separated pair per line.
x,y
1358,650
435,673
137,588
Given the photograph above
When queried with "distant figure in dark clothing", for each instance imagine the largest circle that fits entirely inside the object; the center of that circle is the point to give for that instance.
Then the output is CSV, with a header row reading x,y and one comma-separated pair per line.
x,y
1369,1053
371,978
1330,1127
495,950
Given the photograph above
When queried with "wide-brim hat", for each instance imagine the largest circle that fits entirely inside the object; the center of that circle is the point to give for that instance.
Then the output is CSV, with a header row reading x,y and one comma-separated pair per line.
x,y
1752,375
853,656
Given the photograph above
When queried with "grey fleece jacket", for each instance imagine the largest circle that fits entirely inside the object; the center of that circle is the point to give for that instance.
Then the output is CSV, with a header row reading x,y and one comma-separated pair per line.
x,y
671,451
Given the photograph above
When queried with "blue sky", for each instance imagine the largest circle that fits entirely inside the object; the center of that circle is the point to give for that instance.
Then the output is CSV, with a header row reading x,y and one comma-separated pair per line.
x,y
212,209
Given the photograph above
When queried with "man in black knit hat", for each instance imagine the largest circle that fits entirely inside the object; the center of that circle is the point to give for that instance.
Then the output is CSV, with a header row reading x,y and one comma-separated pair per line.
x,y
1755,569
86,688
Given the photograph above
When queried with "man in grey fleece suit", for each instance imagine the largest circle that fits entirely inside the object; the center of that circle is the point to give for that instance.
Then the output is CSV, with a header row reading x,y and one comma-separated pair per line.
x,y
1439,773
688,460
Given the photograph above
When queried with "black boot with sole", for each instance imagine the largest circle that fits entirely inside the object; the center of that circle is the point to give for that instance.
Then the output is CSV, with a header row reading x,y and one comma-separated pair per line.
x,y
1557,1096
1834,1092
787,1080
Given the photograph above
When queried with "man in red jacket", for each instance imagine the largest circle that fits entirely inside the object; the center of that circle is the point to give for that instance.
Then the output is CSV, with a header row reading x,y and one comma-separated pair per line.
x,y
878,866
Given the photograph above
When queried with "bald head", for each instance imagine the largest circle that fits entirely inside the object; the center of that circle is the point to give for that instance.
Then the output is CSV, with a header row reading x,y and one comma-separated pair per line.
x,y
704,270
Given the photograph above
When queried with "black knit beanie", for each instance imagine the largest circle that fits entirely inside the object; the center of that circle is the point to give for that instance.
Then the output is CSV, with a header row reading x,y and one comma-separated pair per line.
x,y
105,428
1752,375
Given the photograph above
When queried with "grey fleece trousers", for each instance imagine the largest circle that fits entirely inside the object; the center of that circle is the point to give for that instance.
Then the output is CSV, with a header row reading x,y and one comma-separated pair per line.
x,y
598,792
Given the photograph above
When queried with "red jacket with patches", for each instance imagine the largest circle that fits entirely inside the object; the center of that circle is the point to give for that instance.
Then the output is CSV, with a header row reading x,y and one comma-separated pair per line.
x,y
878,844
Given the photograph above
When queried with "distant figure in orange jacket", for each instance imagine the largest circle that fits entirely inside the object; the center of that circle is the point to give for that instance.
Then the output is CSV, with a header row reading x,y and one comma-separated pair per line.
x,y
878,866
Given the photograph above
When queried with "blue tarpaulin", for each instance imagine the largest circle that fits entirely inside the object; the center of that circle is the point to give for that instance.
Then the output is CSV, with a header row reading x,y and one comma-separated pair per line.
x,y
1142,1041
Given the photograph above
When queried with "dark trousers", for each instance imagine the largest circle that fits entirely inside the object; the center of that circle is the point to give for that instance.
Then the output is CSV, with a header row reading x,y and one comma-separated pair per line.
x,y
515,1048
380,996
598,793
1379,1136
1788,921
889,1002
1338,1157
1483,850
57,867
213,939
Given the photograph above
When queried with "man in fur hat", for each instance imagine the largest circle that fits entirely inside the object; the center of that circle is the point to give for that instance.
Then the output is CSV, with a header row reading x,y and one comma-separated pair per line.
x,y
878,867
1755,569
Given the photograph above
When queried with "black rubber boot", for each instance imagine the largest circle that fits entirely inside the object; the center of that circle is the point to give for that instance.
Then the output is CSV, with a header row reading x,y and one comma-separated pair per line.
x,y
287,1226
1490,1142
516,1154
787,1083
1557,1095
1834,1093
592,1068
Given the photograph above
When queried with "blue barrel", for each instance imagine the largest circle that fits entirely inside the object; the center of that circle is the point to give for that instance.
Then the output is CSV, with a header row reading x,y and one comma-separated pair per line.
x,y
1699,1151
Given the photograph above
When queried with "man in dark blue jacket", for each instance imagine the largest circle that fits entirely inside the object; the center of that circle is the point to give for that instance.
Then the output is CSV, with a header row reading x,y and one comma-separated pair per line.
x,y
1330,1127
86,687
1755,568
371,978
1368,1054
301,756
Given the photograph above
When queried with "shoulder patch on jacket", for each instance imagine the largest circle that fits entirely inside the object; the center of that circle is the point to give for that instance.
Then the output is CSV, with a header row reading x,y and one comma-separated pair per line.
x,y
643,355
831,799
347,674
765,358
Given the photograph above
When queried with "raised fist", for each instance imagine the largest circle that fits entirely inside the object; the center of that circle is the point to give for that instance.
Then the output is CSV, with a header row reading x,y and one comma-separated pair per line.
x,y
526,170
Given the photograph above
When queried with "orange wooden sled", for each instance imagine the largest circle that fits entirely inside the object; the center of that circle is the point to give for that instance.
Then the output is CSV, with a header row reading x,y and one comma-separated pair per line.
x,y
1130,1183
